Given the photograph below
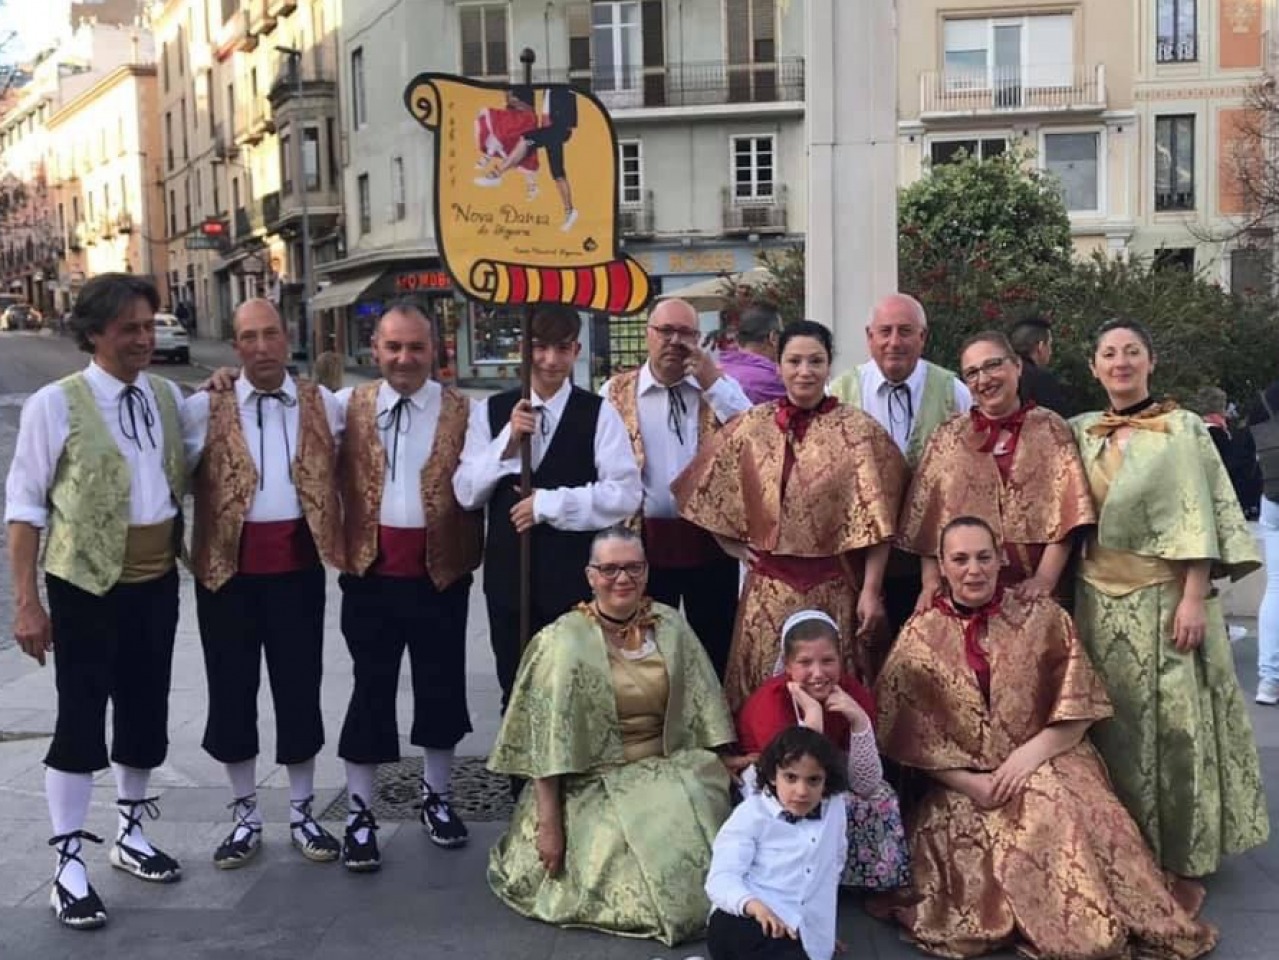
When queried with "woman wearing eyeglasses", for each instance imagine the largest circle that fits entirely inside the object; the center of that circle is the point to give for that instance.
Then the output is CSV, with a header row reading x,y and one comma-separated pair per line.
x,y
1013,466
615,716
1180,747
805,492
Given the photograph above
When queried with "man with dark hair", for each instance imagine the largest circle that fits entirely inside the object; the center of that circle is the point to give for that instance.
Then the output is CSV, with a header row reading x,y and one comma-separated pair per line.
x,y
753,363
585,479
101,464
1032,339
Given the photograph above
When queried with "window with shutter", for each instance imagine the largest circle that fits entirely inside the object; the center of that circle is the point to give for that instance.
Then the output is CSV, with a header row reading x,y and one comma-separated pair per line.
x,y
579,45
484,48
750,27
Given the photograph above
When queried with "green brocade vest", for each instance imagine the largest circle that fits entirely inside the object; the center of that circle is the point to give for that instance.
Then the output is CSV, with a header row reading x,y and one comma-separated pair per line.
x,y
89,498
936,406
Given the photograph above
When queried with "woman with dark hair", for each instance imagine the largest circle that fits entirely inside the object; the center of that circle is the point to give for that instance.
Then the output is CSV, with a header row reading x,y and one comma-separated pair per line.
x,y
616,716
1180,747
1020,842
1013,464
805,492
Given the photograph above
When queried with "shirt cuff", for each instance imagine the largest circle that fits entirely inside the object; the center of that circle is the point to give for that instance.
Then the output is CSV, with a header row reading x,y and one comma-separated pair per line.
x,y
17,513
547,506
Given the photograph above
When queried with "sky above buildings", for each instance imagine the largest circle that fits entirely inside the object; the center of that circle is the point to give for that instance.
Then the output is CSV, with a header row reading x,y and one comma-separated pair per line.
x,y
33,23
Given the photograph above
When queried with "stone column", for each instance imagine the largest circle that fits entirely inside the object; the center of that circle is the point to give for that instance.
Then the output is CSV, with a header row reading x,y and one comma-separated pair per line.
x,y
851,116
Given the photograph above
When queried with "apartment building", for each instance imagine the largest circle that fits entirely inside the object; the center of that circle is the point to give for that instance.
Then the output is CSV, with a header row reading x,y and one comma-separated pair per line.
x,y
33,242
707,98
1132,106
249,114
102,160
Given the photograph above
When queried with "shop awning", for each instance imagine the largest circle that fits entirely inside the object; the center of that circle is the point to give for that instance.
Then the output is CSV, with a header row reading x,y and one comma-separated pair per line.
x,y
342,293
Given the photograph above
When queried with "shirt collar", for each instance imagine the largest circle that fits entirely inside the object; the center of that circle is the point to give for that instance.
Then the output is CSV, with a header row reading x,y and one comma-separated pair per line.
x,y
878,381
245,391
649,382
558,402
107,385
387,396
774,808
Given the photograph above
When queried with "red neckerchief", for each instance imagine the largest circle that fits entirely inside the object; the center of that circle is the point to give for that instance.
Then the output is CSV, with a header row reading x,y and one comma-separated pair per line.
x,y
974,623
993,427
795,420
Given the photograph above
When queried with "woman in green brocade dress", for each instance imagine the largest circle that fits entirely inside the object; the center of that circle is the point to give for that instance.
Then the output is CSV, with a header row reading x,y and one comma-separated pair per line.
x,y
1180,747
614,717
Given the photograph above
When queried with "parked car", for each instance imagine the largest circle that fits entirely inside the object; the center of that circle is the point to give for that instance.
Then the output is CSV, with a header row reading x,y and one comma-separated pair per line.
x,y
20,316
171,340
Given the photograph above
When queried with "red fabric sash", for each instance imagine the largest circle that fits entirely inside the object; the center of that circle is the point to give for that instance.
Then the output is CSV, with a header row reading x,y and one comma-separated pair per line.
x,y
277,546
401,552
974,624
673,543
799,573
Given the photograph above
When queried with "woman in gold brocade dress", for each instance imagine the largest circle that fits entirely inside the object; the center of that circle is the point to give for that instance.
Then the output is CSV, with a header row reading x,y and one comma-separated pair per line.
x,y
616,716
1180,747
1014,466
1020,842
805,492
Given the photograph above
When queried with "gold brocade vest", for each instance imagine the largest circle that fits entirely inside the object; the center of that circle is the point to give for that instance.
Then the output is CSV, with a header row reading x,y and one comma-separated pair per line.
x,y
623,394
89,498
936,405
454,537
227,480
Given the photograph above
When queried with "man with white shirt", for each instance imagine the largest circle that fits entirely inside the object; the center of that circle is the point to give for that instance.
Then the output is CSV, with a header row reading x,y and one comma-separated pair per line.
x,y
267,519
584,479
671,406
410,552
100,465
910,398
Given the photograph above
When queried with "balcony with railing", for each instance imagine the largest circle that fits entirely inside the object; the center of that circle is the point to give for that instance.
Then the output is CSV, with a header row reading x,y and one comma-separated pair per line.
x,y
316,81
1176,49
706,84
250,220
1029,89
259,120
635,220
745,215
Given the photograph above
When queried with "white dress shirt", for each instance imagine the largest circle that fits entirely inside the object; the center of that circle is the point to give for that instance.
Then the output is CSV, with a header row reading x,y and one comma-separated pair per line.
x,y
667,453
876,389
42,435
408,446
275,497
611,499
791,868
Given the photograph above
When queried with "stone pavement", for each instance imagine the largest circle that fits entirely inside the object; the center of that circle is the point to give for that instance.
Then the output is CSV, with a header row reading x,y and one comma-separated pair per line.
x,y
426,901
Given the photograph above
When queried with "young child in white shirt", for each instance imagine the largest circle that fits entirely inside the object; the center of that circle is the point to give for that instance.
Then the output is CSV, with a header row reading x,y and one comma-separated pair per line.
x,y
776,862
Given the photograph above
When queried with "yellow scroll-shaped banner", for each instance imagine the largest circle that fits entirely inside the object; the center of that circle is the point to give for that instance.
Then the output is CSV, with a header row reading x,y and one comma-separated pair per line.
x,y
526,194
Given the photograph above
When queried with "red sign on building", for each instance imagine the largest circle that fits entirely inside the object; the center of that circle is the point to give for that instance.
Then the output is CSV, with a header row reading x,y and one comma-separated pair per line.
x,y
422,280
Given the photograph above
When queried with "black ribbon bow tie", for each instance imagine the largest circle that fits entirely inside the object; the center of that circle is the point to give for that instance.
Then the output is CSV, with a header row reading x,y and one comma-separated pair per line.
x,y
284,400
814,814
395,419
135,405
675,412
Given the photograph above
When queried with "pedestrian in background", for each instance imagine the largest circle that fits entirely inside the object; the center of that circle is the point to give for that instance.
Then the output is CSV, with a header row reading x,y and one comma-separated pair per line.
x,y
753,361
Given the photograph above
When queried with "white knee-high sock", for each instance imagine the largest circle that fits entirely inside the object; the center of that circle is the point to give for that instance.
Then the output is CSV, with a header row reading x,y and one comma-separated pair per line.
x,y
131,784
68,795
359,783
243,777
438,771
301,786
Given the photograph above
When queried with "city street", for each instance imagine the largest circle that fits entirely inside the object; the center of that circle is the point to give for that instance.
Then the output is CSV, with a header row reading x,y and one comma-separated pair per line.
x,y
425,902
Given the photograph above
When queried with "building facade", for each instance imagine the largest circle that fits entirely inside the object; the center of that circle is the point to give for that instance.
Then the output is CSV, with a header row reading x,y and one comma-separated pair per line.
x,y
707,99
1133,107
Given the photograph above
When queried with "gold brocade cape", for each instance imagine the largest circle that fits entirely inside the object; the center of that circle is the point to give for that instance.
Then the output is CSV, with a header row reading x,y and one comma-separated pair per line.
x,y
454,537
843,493
1046,496
1061,869
931,712
1172,497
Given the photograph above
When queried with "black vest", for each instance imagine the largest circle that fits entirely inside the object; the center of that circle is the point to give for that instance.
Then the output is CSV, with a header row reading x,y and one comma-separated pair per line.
x,y
559,556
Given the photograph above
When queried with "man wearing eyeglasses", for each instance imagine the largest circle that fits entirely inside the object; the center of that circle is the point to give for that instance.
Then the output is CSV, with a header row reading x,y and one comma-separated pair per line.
x,y
910,398
585,479
671,405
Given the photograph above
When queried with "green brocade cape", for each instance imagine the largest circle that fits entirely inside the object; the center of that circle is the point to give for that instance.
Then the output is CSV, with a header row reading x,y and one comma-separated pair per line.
x,y
562,717
1172,497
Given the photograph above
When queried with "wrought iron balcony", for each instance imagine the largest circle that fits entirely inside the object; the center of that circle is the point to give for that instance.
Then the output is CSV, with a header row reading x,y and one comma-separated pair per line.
x,y
755,214
1032,88
1176,49
714,83
250,220
635,220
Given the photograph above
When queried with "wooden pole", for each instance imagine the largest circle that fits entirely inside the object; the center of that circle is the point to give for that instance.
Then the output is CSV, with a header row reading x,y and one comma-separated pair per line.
x,y
527,57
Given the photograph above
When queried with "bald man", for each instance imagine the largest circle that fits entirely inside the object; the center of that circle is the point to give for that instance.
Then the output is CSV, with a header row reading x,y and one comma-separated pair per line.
x,y
267,519
671,406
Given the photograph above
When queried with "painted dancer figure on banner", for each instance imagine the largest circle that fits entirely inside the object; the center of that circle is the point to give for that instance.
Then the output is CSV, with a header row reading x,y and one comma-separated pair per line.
x,y
503,247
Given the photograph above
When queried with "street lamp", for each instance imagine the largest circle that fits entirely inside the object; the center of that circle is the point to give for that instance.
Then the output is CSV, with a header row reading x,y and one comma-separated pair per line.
x,y
308,288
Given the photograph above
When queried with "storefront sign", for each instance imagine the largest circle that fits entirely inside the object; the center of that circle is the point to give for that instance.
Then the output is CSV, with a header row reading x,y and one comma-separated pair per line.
x,y
421,281
708,262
